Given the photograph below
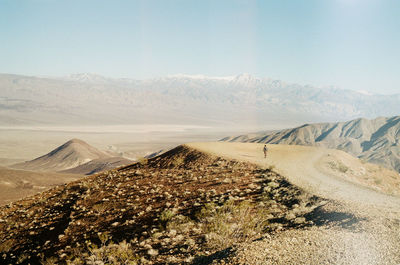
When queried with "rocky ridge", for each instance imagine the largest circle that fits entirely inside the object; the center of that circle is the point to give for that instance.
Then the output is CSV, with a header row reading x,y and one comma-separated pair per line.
x,y
132,203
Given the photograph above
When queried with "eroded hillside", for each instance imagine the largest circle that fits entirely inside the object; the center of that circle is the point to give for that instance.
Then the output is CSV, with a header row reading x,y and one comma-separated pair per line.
x,y
376,141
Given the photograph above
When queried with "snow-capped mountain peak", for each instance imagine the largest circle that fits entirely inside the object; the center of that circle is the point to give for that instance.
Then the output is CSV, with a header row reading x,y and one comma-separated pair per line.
x,y
246,79
201,77
87,77
364,92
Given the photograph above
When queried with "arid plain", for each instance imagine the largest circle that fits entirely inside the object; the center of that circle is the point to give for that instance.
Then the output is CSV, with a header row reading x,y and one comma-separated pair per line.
x,y
19,144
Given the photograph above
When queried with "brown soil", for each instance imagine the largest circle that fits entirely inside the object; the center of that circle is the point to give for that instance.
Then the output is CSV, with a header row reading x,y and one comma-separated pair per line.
x,y
127,204
17,184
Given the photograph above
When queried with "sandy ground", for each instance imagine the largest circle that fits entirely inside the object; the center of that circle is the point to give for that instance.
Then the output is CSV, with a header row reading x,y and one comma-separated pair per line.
x,y
306,167
374,236
302,165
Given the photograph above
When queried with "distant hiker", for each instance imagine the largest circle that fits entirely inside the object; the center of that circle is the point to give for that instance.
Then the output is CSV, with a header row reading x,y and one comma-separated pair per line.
x,y
265,151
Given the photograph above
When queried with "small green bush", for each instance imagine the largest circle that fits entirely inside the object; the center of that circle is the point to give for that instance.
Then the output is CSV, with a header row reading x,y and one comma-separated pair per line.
x,y
7,245
49,261
142,160
378,181
165,217
232,223
338,166
342,168
108,253
178,161
100,208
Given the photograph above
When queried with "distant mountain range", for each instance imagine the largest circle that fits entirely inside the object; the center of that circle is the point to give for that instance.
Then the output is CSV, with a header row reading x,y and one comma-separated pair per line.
x,y
376,141
242,100
73,157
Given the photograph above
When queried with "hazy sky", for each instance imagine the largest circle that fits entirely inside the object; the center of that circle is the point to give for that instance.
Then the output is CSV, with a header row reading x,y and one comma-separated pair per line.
x,y
353,44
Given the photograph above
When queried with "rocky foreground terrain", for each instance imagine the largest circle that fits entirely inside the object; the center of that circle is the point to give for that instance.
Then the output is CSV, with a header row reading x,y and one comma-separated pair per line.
x,y
189,207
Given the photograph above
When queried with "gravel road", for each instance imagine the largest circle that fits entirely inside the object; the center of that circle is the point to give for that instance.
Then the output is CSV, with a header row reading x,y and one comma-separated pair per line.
x,y
301,165
373,237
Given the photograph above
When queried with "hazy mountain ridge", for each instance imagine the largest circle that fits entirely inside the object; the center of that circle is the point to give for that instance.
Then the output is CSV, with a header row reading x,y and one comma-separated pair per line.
x,y
376,141
242,99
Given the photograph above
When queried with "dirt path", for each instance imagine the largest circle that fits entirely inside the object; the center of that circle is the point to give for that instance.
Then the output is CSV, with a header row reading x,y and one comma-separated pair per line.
x,y
302,166
372,239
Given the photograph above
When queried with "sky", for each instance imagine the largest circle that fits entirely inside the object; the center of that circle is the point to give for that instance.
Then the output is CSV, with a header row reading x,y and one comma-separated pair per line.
x,y
351,44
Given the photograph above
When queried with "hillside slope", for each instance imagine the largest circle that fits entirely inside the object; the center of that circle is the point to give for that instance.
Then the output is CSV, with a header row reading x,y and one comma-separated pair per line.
x,y
98,165
76,157
157,207
376,141
204,203
17,184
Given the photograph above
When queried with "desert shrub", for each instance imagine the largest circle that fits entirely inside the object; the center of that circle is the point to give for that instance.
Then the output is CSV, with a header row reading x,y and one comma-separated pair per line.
x,y
178,161
342,168
232,223
121,253
90,185
180,223
100,207
165,217
6,245
339,166
108,253
49,261
378,181
142,160
22,258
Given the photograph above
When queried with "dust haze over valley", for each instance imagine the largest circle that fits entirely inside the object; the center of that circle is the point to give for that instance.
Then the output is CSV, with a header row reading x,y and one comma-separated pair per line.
x,y
131,141
229,102
137,117
117,121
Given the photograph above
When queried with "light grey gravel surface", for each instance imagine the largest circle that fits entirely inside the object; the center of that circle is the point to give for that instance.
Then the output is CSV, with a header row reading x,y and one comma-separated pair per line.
x,y
357,226
368,237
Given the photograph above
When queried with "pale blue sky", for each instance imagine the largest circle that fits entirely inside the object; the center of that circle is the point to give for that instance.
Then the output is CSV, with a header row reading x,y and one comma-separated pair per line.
x,y
352,44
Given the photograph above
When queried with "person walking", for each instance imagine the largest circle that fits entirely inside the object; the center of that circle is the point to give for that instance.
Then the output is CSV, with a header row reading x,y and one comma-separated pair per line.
x,y
265,150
